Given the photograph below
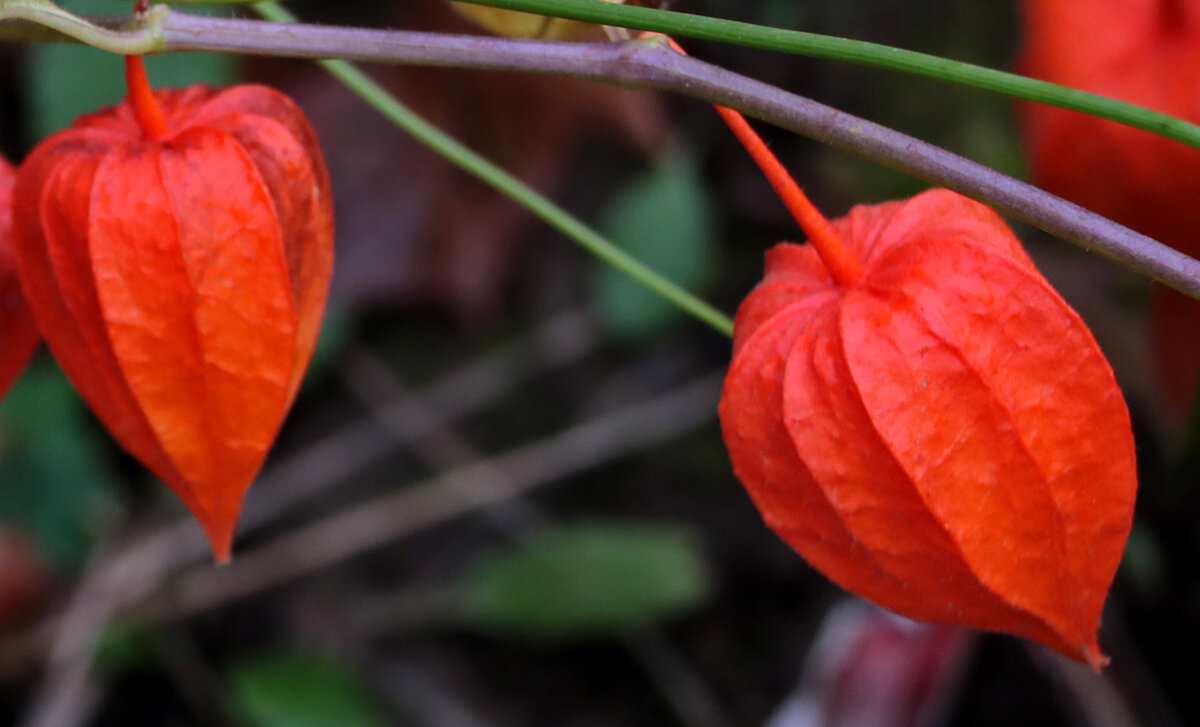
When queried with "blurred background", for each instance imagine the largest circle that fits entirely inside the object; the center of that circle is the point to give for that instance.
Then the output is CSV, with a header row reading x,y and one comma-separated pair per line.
x,y
502,498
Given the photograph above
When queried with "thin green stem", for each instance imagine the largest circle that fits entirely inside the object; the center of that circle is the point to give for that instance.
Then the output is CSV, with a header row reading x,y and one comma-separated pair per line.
x,y
860,52
484,170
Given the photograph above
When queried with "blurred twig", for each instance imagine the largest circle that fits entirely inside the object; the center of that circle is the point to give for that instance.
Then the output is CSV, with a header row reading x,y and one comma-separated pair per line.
x,y
419,693
676,679
377,522
369,377
192,676
1131,675
132,573
66,694
560,340
1091,695
366,526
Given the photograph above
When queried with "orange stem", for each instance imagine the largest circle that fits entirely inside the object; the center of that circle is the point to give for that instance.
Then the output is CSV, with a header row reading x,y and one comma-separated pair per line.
x,y
145,107
843,264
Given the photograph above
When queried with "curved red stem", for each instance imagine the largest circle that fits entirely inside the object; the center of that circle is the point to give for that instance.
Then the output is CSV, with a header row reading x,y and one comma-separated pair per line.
x,y
843,264
145,107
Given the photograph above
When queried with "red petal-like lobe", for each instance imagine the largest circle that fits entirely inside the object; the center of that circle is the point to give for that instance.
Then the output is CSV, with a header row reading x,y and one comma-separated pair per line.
x,y
861,227
765,461
189,267
18,334
51,202
284,148
934,214
995,399
254,100
878,502
792,272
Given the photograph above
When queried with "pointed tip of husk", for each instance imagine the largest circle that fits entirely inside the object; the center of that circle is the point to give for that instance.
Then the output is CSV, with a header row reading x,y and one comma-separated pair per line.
x,y
219,522
1091,655
220,539
217,507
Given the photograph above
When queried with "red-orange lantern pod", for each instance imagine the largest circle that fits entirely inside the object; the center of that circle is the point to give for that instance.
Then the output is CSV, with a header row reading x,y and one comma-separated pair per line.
x,y
18,334
176,252
914,409
1145,52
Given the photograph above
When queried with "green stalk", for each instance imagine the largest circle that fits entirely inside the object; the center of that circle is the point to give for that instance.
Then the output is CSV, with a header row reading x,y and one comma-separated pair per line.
x,y
134,41
481,168
854,51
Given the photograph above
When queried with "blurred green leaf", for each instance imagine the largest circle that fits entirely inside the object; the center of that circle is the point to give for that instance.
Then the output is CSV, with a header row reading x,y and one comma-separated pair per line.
x,y
338,330
124,647
585,580
783,14
1145,562
298,689
1184,470
54,481
989,137
665,220
65,80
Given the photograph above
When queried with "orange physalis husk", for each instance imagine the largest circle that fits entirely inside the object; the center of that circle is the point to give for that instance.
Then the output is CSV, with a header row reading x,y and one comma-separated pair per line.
x,y
1146,52
18,334
939,433
176,252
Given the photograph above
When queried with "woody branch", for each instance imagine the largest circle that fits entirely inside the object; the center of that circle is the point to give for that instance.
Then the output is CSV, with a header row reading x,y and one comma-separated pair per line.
x,y
647,65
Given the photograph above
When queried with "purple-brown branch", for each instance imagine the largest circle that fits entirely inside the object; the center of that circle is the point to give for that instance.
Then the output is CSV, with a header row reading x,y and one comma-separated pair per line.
x,y
651,65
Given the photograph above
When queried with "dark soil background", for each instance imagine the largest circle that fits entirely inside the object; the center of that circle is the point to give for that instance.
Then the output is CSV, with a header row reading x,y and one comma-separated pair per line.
x,y
465,337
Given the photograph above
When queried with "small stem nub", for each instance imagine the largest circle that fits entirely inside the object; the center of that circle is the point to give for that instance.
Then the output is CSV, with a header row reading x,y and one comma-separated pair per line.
x,y
145,107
